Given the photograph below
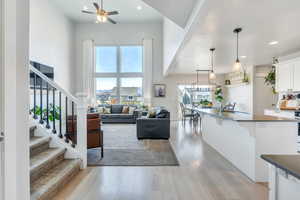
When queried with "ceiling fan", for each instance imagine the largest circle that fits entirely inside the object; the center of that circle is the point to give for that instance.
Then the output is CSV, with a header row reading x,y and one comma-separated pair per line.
x,y
102,15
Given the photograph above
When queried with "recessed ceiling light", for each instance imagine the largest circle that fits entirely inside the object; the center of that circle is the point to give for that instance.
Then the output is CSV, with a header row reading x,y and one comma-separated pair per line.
x,y
85,8
139,7
243,56
273,42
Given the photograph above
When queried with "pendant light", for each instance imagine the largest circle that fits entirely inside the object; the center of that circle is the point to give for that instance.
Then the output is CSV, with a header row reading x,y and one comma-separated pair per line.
x,y
212,74
197,79
237,65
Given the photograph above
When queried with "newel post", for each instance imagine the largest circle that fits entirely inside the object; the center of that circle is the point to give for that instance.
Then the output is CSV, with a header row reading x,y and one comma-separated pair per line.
x,y
82,128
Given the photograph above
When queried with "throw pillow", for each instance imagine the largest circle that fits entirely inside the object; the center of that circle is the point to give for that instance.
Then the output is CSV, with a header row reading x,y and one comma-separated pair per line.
x,y
125,110
162,114
107,111
100,110
131,110
151,114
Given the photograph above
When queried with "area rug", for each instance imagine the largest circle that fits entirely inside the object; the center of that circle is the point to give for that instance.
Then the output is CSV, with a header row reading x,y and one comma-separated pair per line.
x,y
122,148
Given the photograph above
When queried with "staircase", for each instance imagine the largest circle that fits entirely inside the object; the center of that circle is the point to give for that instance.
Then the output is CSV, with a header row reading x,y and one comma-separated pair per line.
x,y
49,170
57,152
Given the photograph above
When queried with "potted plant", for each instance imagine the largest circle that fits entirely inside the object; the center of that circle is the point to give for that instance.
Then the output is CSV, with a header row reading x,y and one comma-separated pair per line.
x,y
219,96
270,79
43,112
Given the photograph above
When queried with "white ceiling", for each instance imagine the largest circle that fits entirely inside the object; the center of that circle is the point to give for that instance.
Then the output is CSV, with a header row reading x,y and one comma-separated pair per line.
x,y
178,11
262,21
127,8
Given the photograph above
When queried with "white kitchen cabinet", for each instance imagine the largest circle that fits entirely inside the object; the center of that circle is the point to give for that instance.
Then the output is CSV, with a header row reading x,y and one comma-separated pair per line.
x,y
288,76
296,76
284,77
282,186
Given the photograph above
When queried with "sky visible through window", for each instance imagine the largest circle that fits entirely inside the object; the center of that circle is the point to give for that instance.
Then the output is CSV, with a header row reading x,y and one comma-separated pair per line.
x,y
122,63
131,59
106,59
106,83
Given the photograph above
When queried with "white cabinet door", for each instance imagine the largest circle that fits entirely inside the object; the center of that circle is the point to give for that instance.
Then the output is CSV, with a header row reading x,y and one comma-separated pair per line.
x,y
296,76
284,78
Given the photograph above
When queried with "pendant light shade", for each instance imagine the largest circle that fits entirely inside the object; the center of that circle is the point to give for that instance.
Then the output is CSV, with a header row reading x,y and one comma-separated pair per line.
x,y
212,74
237,65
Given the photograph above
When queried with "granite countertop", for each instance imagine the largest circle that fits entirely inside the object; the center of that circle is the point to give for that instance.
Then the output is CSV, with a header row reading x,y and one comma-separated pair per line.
x,y
241,116
288,163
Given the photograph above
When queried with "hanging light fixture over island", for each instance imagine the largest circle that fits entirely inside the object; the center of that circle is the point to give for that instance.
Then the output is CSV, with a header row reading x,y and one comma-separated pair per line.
x,y
237,65
212,74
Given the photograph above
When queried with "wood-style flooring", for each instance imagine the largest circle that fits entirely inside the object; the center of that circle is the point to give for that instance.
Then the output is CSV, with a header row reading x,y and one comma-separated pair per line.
x,y
203,174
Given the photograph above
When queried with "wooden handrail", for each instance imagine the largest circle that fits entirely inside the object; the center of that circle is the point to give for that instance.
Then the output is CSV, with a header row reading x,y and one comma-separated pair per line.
x,y
53,84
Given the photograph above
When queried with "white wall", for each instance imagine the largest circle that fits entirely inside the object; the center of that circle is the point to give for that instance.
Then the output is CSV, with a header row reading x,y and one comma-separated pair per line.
x,y
242,95
173,36
263,97
16,81
1,102
120,34
52,41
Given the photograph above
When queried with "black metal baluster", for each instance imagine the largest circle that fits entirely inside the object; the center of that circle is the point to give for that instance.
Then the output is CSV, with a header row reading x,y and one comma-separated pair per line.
x,y
53,112
74,142
34,97
66,135
41,102
47,111
60,124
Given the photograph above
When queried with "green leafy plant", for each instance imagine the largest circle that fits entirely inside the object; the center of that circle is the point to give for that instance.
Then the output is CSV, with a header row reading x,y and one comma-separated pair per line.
x,y
270,79
52,115
219,94
205,102
246,77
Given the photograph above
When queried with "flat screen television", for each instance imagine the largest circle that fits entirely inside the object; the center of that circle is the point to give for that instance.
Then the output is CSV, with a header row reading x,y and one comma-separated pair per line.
x,y
45,69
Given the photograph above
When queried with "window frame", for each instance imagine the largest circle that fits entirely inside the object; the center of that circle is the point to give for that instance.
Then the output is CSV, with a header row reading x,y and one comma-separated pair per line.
x,y
118,74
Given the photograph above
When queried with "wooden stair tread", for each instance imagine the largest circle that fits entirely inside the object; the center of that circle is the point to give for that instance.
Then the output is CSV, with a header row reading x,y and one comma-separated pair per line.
x,y
53,180
37,141
41,158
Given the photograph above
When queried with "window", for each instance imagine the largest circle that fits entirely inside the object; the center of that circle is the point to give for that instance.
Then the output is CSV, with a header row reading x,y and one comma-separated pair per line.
x,y
132,59
106,59
119,74
131,90
106,90
196,94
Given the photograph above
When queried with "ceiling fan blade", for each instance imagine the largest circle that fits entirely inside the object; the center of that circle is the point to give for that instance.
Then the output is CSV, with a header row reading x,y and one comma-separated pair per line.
x,y
96,5
112,21
113,13
88,12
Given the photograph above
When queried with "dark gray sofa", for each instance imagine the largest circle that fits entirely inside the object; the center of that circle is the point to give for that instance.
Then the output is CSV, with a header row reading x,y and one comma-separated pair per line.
x,y
154,128
117,116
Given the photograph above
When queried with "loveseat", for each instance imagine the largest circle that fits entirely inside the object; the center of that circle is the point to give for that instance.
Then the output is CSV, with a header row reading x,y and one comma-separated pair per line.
x,y
117,116
155,126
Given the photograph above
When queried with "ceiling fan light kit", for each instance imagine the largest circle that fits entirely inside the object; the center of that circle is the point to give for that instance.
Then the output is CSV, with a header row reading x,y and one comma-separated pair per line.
x,y
237,65
101,14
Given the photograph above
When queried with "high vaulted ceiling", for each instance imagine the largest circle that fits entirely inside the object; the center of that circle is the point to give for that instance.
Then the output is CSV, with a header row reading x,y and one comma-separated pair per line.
x,y
178,11
262,21
127,8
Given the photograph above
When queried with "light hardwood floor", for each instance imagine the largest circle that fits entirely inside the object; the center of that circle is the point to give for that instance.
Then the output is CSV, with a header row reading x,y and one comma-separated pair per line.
x,y
203,174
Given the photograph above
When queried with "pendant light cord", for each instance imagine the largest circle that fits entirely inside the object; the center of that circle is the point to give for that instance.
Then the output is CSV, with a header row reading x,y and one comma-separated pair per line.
x,y
237,46
212,60
197,80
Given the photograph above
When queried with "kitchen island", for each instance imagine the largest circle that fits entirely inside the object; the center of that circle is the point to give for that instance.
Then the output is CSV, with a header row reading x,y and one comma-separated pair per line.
x,y
284,176
242,138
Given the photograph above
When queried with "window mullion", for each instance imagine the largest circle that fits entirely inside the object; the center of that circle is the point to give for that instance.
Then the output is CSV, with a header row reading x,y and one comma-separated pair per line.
x,y
118,74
